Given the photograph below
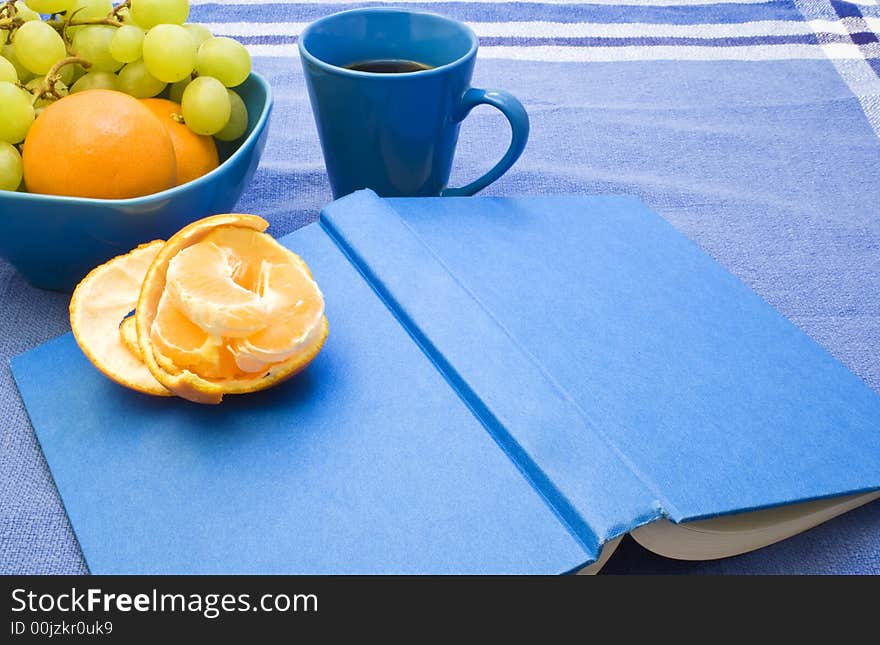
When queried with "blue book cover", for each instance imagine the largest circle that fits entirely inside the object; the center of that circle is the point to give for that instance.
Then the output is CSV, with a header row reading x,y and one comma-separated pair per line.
x,y
508,385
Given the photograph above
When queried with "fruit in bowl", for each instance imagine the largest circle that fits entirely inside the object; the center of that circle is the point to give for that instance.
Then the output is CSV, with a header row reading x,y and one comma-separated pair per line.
x,y
54,241
99,143
136,125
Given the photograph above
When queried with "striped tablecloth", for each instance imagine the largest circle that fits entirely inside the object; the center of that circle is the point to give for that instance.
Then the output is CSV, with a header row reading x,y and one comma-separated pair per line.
x,y
752,126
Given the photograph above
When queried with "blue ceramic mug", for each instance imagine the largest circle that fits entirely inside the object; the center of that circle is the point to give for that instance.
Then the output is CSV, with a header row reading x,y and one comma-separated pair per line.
x,y
396,132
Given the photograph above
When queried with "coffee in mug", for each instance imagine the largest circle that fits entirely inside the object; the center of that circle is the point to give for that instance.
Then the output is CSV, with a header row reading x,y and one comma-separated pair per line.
x,y
389,89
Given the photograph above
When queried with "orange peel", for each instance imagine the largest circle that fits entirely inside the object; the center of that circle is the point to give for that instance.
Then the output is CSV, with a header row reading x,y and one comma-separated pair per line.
x,y
100,303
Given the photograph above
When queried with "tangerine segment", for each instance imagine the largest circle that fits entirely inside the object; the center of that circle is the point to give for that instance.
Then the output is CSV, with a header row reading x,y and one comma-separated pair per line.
x,y
226,309
100,303
194,388
294,304
187,346
200,279
250,251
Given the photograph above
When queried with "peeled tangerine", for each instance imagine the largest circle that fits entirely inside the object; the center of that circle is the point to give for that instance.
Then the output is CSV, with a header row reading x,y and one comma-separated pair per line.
x,y
222,309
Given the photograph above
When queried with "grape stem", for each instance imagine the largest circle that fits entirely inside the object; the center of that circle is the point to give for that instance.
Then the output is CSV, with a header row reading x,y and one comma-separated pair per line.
x,y
11,21
9,8
109,20
120,7
47,88
64,36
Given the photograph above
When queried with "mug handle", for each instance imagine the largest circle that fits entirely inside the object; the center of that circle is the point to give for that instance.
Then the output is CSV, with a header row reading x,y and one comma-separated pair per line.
x,y
519,128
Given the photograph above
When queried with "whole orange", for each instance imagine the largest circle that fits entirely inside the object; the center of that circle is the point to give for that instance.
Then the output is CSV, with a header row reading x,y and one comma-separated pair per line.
x,y
196,153
98,143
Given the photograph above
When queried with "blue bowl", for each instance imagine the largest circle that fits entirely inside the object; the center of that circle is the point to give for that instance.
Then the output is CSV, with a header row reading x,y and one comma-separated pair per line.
x,y
55,241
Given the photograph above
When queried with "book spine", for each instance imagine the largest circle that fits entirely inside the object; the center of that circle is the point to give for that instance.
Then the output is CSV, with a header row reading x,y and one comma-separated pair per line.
x,y
581,478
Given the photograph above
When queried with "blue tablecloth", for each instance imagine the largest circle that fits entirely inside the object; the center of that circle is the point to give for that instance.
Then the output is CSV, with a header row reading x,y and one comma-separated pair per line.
x,y
751,126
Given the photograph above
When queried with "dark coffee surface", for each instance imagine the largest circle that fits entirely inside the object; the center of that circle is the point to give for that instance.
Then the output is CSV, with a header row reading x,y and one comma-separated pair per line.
x,y
388,66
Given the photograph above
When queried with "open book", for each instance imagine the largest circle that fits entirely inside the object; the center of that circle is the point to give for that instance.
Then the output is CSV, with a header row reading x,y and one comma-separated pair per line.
x,y
509,386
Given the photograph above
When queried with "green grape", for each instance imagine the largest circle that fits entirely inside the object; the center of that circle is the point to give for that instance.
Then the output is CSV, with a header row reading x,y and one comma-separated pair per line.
x,y
7,71
71,73
124,16
127,43
95,81
175,92
238,119
136,80
206,106
49,6
10,167
8,52
225,59
38,46
149,13
198,33
92,42
169,53
91,9
88,10
25,12
17,111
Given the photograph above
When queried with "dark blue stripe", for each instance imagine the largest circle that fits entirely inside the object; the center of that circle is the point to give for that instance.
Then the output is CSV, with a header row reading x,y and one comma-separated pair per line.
x,y
861,38
864,37
846,9
516,11
592,41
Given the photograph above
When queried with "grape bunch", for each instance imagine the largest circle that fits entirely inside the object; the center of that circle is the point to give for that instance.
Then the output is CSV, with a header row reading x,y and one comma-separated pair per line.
x,y
144,48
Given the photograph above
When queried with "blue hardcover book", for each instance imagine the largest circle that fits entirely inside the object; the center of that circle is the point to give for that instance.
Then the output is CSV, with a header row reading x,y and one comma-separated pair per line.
x,y
509,385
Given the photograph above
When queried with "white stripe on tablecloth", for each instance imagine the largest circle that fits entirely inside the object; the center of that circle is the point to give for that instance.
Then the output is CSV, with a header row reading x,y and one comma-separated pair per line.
x,y
586,29
563,54
630,3
872,22
673,53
